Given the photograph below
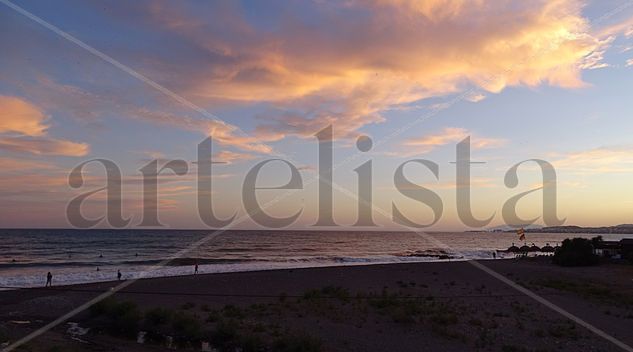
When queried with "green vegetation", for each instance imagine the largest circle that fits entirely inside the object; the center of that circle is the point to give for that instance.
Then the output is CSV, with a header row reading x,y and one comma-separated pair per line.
x,y
339,293
575,252
591,290
117,318
226,329
188,305
512,348
297,343
158,317
186,327
567,331
270,326
231,311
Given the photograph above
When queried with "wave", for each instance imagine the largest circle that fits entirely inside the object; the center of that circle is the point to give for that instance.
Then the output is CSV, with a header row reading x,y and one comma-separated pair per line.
x,y
49,264
438,254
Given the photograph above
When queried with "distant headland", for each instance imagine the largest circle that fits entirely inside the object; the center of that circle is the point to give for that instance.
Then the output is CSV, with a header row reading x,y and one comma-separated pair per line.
x,y
621,229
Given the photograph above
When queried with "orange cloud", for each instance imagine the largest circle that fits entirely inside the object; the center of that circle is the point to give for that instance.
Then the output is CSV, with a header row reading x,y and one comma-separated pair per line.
x,y
599,160
22,129
18,116
231,157
447,136
433,10
349,70
44,146
222,133
11,165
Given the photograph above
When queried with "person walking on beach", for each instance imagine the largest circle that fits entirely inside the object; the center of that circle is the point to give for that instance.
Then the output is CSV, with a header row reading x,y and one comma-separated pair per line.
x,y
118,275
494,254
195,268
49,279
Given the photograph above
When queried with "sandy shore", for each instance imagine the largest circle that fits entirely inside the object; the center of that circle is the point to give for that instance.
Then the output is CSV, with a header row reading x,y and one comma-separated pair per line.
x,y
397,307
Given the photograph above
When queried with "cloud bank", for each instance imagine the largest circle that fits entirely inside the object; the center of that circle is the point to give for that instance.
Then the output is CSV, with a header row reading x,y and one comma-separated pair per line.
x,y
350,68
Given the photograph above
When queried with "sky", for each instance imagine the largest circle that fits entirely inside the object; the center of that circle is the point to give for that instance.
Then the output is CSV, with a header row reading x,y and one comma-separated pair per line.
x,y
133,82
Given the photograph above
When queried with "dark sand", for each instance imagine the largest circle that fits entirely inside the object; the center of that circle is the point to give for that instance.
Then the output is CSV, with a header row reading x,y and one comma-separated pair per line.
x,y
460,308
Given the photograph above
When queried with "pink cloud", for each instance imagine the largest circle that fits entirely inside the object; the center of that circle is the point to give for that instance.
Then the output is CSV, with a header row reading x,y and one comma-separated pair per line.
x,y
43,146
350,70
19,116
22,129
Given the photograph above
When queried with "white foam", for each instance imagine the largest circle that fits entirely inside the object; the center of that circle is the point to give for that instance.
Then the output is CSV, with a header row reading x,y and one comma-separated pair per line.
x,y
71,276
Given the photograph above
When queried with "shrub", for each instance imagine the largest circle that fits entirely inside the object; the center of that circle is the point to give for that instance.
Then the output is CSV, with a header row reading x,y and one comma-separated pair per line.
x,y
567,331
444,318
297,343
118,318
251,343
188,305
158,317
225,334
337,292
101,307
340,293
231,311
575,252
186,327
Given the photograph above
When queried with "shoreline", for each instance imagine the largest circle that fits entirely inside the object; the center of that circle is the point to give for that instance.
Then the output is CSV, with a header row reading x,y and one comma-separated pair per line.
x,y
200,274
179,270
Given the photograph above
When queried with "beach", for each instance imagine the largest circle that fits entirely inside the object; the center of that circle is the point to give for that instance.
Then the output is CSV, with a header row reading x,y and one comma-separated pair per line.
x,y
447,306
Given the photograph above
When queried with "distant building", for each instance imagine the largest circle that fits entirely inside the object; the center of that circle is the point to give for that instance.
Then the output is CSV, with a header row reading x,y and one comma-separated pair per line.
x,y
614,249
626,248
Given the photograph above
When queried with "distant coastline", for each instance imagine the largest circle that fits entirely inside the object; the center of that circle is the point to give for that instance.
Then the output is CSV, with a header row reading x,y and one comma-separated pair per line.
x,y
618,229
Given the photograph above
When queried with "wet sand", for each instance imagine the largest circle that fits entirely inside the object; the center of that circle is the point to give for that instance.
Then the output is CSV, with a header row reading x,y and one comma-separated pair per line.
x,y
456,307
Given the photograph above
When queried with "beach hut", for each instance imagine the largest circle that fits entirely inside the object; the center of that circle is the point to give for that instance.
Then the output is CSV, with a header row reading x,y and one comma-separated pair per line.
x,y
547,248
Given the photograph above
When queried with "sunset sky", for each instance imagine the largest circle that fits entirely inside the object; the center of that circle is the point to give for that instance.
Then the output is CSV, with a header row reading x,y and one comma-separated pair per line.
x,y
549,80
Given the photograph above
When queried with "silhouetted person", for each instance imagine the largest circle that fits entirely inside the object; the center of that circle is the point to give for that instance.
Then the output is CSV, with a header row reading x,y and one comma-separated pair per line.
x,y
494,255
101,255
195,269
97,268
49,279
118,275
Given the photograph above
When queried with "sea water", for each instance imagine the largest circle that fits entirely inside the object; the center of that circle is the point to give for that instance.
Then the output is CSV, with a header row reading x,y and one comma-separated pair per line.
x,y
81,256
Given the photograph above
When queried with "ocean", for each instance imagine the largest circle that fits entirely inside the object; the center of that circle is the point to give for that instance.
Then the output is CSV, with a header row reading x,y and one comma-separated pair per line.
x,y
82,256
